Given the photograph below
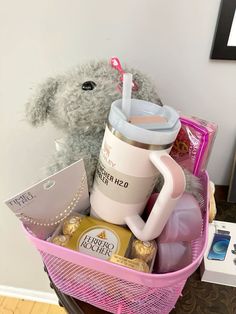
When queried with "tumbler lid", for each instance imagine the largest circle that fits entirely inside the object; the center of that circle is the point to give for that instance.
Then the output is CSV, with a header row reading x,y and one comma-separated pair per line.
x,y
162,132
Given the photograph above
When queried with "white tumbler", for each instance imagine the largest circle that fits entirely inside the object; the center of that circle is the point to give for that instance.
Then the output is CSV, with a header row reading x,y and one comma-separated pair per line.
x,y
130,161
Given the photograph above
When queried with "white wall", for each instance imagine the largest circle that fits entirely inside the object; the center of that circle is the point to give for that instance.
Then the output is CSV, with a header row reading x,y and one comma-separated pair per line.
x,y
169,40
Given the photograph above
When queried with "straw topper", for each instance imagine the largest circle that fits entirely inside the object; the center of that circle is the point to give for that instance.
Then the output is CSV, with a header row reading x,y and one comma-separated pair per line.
x,y
78,103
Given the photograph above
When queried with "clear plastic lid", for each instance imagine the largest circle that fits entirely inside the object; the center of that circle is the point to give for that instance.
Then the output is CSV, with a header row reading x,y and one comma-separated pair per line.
x,y
163,133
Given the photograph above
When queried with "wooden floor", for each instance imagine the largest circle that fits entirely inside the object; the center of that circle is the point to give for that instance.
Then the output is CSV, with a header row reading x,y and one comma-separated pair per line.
x,y
19,306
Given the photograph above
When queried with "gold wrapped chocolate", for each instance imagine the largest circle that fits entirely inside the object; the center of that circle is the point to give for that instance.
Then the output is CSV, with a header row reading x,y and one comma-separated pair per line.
x,y
141,265
71,225
135,263
61,239
143,250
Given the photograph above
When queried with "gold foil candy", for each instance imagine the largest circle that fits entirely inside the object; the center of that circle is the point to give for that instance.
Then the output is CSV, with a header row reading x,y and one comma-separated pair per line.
x,y
61,239
135,263
140,265
71,225
143,250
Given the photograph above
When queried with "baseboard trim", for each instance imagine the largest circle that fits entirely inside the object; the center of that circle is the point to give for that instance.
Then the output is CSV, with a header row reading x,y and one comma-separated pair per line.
x,y
26,294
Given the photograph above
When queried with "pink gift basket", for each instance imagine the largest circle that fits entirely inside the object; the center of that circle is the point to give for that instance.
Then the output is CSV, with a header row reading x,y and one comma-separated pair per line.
x,y
115,288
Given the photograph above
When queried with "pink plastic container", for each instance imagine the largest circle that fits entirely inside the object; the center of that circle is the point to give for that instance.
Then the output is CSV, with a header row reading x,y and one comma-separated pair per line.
x,y
115,288
173,256
185,222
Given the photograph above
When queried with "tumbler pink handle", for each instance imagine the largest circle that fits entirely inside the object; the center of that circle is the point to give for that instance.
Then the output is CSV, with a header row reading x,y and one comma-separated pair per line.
x,y
172,190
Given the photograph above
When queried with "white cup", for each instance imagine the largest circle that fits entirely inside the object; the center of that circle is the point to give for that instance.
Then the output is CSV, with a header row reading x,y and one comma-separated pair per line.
x,y
130,161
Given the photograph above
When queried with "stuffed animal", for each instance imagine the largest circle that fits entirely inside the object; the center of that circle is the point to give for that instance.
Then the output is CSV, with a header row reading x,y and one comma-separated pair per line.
x,y
78,103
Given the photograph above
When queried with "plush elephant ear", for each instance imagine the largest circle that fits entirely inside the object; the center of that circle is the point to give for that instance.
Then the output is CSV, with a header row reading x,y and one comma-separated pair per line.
x,y
40,104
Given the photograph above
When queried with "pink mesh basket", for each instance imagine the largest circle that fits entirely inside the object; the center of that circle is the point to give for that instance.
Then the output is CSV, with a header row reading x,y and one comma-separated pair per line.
x,y
115,288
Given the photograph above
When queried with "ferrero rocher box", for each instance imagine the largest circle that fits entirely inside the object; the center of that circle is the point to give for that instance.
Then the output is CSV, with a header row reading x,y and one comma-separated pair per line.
x,y
95,237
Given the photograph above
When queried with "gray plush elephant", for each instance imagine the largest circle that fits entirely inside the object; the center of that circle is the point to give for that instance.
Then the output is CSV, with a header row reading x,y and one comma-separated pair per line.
x,y
78,103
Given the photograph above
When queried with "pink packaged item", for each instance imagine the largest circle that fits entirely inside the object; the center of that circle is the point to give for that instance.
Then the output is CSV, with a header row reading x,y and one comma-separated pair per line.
x,y
173,256
185,222
193,144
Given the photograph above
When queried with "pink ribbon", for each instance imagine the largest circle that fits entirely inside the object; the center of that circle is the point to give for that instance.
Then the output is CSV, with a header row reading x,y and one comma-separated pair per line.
x,y
115,63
